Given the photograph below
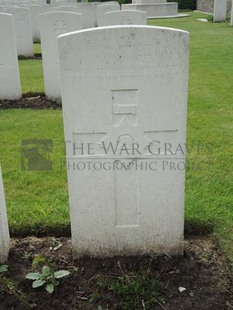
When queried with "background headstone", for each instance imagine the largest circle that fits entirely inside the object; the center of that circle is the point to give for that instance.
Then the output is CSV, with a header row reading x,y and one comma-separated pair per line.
x,y
4,230
125,18
23,30
102,9
66,8
35,10
9,70
231,22
125,86
88,11
220,10
51,26
154,8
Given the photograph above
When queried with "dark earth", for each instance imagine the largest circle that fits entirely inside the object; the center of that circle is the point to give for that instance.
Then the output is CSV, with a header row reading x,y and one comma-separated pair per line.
x,y
203,272
201,279
35,101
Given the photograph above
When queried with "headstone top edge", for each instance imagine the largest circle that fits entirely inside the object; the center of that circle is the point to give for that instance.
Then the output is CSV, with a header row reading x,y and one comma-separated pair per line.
x,y
6,15
128,11
59,12
91,30
110,4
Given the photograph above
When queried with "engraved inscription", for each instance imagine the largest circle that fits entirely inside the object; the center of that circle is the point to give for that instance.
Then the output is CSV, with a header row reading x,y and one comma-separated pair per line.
x,y
60,27
84,143
124,134
126,22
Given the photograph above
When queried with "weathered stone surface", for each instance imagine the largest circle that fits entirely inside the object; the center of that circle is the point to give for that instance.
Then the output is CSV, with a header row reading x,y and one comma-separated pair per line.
x,y
125,18
124,96
154,10
88,11
102,9
66,8
220,10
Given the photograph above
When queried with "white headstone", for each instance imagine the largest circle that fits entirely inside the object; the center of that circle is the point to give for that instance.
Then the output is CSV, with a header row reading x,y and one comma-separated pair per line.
x,y
66,8
124,96
231,22
149,1
23,30
88,12
102,9
62,2
125,18
220,10
35,10
38,2
51,26
9,71
4,230
153,8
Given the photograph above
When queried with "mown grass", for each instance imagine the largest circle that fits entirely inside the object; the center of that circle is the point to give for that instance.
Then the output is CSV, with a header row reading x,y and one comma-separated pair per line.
x,y
31,75
209,190
38,201
37,48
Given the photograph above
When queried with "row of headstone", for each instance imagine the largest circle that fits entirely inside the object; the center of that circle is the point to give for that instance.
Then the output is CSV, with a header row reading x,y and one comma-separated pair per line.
x,y
124,96
50,25
54,24
92,16
23,30
126,189
4,230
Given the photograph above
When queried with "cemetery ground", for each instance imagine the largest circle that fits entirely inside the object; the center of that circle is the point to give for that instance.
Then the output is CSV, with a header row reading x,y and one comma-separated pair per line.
x,y
37,201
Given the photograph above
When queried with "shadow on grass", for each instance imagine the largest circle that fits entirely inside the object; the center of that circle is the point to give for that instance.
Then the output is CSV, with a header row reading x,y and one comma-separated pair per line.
x,y
191,228
40,231
197,228
36,56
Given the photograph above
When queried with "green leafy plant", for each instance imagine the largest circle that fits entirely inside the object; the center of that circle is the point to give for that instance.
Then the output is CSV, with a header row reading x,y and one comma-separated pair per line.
x,y
46,276
27,255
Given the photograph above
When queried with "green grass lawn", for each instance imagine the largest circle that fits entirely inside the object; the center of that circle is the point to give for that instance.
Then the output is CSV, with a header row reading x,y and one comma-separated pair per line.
x,y
37,202
31,75
37,48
